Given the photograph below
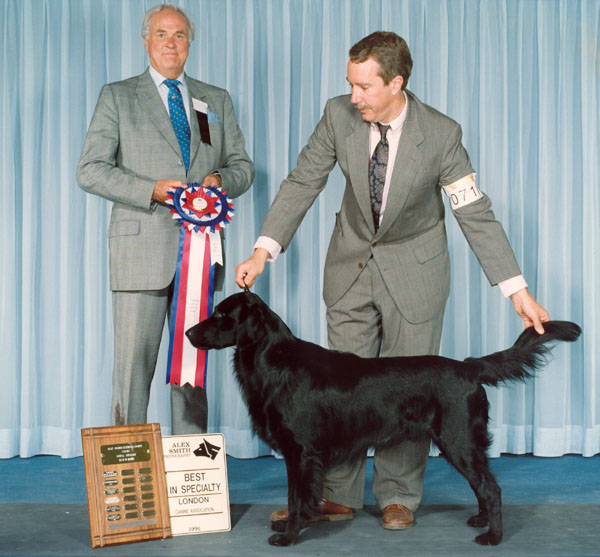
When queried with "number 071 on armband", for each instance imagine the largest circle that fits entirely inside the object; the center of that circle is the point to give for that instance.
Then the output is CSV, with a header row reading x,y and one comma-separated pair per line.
x,y
463,191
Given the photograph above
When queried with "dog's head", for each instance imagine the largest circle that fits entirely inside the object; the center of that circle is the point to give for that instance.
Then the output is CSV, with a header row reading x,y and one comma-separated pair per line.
x,y
227,323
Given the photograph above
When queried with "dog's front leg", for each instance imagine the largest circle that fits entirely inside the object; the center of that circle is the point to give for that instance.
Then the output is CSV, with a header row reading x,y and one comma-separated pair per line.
x,y
305,488
291,527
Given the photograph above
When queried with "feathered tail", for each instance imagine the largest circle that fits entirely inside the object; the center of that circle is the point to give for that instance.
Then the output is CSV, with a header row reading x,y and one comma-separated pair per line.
x,y
526,355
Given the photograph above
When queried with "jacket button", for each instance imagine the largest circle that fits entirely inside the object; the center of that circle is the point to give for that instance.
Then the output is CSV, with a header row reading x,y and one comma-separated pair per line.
x,y
360,265
373,244
180,163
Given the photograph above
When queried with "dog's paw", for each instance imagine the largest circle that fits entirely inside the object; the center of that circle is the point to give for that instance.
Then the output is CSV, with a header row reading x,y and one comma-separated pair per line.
x,y
282,540
279,525
488,539
478,521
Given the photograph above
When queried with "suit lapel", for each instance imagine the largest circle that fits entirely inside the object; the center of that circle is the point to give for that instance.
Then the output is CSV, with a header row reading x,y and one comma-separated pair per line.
x,y
152,104
406,166
357,145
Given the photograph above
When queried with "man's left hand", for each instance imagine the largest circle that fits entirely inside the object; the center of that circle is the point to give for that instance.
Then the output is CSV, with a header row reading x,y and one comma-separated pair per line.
x,y
212,180
529,310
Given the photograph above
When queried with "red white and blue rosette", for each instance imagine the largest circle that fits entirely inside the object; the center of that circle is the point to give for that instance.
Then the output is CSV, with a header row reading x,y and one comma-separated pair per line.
x,y
203,212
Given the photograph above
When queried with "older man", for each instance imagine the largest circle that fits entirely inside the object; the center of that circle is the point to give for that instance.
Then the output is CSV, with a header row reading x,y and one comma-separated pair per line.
x,y
150,133
387,272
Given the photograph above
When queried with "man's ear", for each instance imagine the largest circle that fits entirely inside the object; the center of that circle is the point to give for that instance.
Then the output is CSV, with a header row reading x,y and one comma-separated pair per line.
x,y
397,83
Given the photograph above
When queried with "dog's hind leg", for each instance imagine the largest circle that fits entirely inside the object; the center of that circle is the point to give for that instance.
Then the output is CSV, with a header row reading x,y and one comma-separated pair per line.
x,y
305,488
486,489
489,498
464,440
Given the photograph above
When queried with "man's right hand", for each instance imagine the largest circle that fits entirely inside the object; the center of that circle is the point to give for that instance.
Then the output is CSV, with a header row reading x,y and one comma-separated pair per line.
x,y
246,272
162,187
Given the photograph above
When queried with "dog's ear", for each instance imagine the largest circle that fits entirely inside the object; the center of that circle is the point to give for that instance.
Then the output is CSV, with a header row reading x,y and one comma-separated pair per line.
x,y
251,298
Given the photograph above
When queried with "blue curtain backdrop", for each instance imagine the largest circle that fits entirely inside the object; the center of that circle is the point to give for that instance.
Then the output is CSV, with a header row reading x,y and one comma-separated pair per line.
x,y
523,79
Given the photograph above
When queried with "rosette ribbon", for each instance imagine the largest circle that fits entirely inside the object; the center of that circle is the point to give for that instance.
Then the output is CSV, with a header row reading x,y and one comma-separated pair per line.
x,y
203,213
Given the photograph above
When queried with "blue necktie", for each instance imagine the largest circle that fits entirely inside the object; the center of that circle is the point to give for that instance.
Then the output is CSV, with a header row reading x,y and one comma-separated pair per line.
x,y
179,120
377,170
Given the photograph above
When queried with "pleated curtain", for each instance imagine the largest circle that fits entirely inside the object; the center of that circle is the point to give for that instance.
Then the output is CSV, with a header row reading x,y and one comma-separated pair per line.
x,y
521,77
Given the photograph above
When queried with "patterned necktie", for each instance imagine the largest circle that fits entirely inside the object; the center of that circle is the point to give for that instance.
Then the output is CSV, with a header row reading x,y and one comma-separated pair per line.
x,y
179,120
377,170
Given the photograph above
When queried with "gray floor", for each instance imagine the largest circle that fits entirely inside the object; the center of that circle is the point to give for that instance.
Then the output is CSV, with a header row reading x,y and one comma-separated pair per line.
x,y
551,508
548,530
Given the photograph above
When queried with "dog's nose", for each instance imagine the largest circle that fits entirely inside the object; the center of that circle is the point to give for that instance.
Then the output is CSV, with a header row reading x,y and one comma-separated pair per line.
x,y
190,333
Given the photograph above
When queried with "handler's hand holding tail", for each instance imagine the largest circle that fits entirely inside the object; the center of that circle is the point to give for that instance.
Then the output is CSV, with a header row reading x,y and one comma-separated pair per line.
x,y
529,310
246,272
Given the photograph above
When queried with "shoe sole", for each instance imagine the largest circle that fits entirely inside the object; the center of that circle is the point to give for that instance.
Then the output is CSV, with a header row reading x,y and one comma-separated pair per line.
x,y
398,526
323,518
334,517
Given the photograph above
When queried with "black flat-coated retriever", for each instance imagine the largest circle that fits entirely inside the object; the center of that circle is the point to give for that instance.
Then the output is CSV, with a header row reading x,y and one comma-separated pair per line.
x,y
318,407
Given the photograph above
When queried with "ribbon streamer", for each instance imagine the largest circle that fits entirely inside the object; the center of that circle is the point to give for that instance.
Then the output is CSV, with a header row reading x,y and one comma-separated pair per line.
x,y
203,213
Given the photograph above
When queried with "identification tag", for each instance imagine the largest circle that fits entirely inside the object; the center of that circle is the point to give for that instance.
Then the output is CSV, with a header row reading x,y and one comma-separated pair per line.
x,y
463,191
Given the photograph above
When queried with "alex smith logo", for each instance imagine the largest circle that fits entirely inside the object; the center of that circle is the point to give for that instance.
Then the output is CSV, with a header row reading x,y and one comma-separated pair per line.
x,y
207,449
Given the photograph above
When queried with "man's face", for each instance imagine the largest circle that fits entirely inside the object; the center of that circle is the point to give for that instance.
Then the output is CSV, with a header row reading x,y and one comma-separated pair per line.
x,y
167,44
376,101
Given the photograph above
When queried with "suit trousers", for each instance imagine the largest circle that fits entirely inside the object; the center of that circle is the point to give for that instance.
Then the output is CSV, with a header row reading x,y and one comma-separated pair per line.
x,y
139,318
366,321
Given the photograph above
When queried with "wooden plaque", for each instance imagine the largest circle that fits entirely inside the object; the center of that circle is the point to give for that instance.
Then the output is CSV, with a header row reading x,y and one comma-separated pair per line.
x,y
125,480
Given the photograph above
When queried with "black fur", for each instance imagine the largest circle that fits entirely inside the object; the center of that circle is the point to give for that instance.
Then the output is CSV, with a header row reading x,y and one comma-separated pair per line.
x,y
318,407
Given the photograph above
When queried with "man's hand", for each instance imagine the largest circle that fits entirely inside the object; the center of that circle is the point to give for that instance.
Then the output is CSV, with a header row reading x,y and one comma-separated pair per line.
x,y
162,187
529,310
246,272
212,180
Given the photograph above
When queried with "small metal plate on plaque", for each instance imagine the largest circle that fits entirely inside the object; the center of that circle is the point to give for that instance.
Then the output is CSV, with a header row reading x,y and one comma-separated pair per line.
x,y
125,480
125,452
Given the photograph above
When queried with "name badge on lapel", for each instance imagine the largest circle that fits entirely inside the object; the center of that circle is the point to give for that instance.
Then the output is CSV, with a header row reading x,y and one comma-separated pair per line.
x,y
201,109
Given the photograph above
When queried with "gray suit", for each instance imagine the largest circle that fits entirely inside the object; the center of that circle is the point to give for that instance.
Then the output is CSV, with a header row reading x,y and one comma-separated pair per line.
x,y
131,145
386,291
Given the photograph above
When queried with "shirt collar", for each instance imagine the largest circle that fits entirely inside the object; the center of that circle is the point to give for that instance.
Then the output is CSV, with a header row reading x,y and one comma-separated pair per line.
x,y
397,123
158,78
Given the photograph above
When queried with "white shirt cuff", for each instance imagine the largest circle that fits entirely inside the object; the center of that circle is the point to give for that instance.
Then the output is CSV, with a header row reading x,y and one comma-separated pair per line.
x,y
512,285
273,247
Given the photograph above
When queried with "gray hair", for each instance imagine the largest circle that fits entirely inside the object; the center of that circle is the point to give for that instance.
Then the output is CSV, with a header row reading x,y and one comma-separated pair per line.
x,y
153,11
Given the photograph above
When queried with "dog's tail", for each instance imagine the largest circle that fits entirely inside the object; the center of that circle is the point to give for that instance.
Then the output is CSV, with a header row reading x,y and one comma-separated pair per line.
x,y
526,355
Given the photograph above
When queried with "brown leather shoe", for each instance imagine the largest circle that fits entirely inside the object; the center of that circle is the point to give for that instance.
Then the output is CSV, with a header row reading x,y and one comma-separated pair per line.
x,y
397,517
327,511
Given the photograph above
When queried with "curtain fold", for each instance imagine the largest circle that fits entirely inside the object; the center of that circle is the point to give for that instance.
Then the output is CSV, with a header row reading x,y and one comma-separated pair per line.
x,y
521,77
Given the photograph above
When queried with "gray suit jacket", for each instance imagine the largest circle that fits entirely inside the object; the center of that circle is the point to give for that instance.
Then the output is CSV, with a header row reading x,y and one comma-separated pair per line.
x,y
129,146
410,247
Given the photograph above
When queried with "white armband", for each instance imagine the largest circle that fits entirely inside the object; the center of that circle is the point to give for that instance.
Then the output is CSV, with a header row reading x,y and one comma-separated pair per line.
x,y
463,191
